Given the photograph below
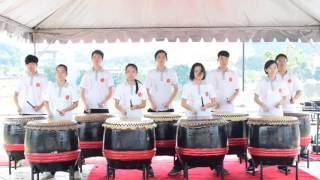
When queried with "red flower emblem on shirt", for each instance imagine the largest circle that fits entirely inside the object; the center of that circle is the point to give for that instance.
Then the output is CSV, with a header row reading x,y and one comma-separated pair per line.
x,y
102,80
139,94
67,97
38,84
168,80
289,81
280,90
230,79
206,93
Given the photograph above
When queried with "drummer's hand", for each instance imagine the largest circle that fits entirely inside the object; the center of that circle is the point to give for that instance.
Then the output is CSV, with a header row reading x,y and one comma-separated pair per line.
x,y
62,112
135,107
217,105
265,108
292,100
277,105
124,112
19,110
50,115
86,108
37,108
153,107
194,112
167,105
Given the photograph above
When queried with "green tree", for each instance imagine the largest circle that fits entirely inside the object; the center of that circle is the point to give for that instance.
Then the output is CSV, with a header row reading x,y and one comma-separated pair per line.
x,y
183,73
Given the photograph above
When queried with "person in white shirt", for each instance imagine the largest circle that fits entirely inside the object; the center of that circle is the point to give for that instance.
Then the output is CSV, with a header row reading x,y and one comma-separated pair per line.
x,y
61,97
130,98
225,82
293,83
162,85
270,93
31,87
96,86
130,95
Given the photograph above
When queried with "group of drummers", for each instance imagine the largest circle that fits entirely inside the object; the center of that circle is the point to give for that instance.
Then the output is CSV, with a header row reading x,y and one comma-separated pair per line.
x,y
216,90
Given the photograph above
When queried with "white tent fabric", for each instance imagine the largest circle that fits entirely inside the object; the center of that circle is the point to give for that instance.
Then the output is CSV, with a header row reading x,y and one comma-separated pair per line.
x,y
110,20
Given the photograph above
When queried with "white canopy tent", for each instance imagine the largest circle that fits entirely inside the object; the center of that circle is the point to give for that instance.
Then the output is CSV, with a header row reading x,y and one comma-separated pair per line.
x,y
102,20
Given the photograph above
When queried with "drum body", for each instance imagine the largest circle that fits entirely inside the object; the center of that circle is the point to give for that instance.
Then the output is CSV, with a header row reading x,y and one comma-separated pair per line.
x,y
202,142
91,134
13,135
274,140
165,132
305,130
129,143
237,132
52,145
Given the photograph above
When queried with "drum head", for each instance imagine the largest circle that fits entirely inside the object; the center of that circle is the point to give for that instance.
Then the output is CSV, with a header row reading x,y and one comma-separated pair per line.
x,y
232,116
127,123
163,116
52,125
273,120
198,122
94,117
23,119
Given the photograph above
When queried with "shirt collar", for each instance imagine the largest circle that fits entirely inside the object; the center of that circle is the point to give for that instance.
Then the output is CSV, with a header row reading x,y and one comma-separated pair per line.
x,y
220,70
100,70
66,84
34,75
165,69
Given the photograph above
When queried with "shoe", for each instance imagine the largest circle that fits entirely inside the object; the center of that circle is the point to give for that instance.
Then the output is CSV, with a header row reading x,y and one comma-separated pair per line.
x,y
47,175
150,172
77,175
284,169
251,168
174,171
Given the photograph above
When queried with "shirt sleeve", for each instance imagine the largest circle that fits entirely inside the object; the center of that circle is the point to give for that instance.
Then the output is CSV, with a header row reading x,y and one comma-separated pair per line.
x,y
84,81
110,82
75,94
212,93
148,81
185,92
19,86
117,93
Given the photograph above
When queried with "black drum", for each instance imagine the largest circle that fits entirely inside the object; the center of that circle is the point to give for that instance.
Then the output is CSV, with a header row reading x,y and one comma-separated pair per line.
x,y
202,142
13,136
165,132
129,143
52,146
305,130
274,140
91,133
237,132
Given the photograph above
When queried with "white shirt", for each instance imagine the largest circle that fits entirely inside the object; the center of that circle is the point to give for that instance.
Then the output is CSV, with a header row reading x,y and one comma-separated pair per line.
x,y
31,89
271,92
225,84
193,92
294,85
125,93
161,85
60,98
96,85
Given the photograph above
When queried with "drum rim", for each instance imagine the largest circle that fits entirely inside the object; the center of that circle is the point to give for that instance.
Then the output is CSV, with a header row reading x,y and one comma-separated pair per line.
x,y
129,123
232,116
22,119
163,116
199,123
52,125
273,120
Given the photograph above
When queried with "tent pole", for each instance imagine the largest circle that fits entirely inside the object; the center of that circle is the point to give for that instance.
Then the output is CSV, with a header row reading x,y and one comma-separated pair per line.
x,y
243,65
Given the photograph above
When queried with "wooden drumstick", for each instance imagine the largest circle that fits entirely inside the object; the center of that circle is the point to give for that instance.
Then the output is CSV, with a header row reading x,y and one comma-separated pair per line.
x,y
202,101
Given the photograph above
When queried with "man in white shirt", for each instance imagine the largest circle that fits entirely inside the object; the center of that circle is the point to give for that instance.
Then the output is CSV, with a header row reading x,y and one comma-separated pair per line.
x,y
293,83
96,86
31,87
162,85
225,82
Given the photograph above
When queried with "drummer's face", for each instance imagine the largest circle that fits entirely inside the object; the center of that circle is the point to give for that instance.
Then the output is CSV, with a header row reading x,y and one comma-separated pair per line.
x,y
197,73
96,60
31,67
272,70
282,63
161,59
131,73
223,61
61,74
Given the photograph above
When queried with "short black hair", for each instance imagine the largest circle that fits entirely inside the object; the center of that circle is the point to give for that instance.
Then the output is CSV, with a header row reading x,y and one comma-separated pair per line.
x,y
63,66
223,53
203,70
280,56
31,59
160,51
99,52
268,64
